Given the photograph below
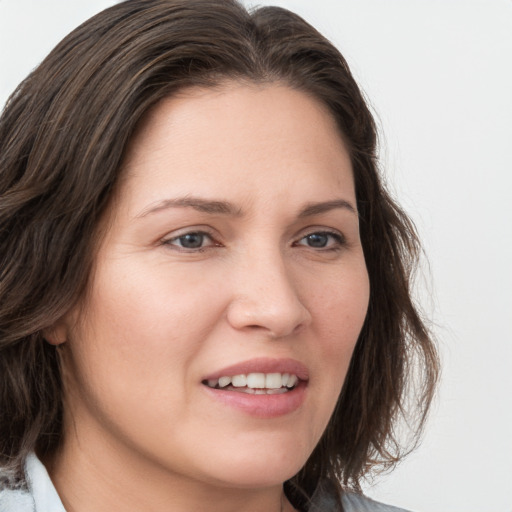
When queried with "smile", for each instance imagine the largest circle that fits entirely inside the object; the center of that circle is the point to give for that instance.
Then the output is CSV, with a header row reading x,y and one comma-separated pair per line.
x,y
255,383
263,387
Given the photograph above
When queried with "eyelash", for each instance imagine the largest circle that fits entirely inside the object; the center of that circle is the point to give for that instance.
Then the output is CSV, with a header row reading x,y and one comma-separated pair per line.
x,y
339,241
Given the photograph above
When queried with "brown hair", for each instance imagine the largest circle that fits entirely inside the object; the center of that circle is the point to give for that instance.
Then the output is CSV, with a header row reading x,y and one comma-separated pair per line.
x,y
63,135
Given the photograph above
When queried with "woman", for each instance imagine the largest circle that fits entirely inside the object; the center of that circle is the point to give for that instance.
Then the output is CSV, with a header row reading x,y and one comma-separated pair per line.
x,y
205,286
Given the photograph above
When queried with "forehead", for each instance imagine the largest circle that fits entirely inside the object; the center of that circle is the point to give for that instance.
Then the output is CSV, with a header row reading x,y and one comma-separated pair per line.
x,y
234,105
239,134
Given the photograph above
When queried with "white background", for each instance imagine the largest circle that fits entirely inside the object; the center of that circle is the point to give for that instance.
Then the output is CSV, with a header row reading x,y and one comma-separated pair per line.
x,y
439,75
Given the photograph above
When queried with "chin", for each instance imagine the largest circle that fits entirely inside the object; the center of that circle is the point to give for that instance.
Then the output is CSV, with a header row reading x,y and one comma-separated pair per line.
x,y
259,476
260,466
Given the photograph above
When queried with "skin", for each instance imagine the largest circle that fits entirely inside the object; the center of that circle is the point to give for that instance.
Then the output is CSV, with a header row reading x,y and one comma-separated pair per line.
x,y
140,427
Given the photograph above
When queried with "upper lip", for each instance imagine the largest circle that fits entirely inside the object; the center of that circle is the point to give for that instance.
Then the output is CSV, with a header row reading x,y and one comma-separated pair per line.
x,y
262,365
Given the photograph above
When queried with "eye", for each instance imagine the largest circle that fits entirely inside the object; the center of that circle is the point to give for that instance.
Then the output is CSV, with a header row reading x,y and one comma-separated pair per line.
x,y
194,240
322,240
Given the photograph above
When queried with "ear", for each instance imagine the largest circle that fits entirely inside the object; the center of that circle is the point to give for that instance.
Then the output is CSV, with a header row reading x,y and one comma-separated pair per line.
x,y
57,334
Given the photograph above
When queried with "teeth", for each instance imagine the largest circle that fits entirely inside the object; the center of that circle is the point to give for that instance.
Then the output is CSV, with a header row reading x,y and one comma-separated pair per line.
x,y
239,381
257,383
256,380
251,391
224,381
292,381
273,380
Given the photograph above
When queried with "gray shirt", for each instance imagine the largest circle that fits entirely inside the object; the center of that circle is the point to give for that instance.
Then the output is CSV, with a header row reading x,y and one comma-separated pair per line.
x,y
41,496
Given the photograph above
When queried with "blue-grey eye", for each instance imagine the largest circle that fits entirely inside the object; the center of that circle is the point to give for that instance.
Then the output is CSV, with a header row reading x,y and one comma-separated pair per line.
x,y
317,240
322,240
191,240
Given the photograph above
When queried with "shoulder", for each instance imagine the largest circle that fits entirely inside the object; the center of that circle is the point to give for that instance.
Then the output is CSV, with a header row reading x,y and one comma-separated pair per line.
x,y
14,496
357,503
39,495
12,500
327,499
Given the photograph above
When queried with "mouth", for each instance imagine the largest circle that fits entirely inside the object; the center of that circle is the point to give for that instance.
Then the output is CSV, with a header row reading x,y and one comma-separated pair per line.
x,y
255,383
264,388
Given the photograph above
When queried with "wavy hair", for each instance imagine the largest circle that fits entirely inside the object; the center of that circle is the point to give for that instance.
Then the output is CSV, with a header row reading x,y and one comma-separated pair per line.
x,y
63,134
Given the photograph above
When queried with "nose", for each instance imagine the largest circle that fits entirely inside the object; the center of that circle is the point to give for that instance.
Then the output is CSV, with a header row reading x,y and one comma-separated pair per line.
x,y
265,298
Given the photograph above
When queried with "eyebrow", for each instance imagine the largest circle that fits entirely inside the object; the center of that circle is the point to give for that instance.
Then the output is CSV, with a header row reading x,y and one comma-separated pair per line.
x,y
317,208
197,203
216,207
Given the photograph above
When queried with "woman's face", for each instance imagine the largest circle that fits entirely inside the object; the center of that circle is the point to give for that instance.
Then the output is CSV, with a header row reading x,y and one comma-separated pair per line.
x,y
232,267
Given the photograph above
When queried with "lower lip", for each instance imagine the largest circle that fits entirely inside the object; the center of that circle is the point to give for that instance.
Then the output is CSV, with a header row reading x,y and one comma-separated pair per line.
x,y
262,406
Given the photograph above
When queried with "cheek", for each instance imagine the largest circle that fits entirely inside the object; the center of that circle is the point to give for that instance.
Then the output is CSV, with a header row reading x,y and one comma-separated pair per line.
x,y
140,332
338,311
153,303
